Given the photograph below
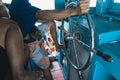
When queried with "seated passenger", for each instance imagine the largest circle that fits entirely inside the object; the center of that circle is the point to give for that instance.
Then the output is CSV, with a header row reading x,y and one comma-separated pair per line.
x,y
12,41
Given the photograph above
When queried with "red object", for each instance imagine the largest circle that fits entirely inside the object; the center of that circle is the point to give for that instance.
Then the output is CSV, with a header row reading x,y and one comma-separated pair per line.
x,y
52,49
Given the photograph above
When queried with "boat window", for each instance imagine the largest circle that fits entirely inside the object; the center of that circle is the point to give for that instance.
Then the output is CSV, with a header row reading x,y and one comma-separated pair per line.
x,y
92,3
43,4
116,1
7,1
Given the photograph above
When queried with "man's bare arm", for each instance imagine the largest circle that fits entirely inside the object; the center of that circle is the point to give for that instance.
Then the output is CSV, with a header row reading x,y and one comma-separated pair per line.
x,y
47,15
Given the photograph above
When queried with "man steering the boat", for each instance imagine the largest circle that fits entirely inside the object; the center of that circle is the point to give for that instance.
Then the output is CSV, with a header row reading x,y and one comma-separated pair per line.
x,y
26,16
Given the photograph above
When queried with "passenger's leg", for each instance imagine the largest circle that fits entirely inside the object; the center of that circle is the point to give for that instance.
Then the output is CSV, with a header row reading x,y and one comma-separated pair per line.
x,y
46,71
47,74
52,26
15,51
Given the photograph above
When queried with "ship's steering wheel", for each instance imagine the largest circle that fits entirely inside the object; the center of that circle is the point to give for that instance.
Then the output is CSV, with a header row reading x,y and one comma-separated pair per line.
x,y
73,36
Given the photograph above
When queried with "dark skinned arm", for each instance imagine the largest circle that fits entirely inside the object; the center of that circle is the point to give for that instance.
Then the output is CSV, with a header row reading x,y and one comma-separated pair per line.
x,y
48,15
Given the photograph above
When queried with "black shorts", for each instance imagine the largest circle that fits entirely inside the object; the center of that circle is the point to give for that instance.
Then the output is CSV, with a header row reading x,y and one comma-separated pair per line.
x,y
4,64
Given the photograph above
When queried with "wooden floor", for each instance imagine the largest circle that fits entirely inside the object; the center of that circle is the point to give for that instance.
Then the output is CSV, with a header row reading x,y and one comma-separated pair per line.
x,y
56,71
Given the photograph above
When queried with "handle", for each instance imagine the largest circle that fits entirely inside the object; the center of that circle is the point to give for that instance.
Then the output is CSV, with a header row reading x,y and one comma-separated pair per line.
x,y
106,57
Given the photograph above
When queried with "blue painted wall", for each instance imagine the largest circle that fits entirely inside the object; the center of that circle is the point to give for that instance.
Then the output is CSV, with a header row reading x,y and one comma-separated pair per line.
x,y
59,4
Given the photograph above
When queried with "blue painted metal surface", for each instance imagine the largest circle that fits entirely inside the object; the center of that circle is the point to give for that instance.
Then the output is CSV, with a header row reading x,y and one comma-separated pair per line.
x,y
59,4
98,72
113,7
114,67
101,6
106,33
107,39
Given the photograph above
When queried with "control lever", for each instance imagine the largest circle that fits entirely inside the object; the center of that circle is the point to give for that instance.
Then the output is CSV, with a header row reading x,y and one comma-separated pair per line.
x,y
104,56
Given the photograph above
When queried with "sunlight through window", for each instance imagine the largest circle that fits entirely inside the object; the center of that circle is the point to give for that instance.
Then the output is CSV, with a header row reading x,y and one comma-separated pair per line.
x,y
93,3
43,4
116,1
7,1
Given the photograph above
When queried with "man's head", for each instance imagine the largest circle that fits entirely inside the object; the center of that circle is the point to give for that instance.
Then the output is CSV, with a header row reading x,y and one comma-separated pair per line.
x,y
4,12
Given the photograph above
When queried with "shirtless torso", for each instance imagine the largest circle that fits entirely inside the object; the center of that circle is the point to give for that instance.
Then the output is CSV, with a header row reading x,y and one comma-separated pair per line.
x,y
12,41
5,24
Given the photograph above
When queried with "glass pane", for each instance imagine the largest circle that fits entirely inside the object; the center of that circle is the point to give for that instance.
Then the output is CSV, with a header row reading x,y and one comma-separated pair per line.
x,y
92,3
43,4
7,1
116,1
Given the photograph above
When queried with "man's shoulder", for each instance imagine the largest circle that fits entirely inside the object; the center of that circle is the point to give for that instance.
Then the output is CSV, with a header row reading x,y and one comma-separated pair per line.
x,y
7,21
